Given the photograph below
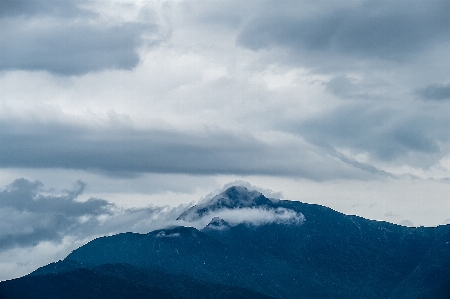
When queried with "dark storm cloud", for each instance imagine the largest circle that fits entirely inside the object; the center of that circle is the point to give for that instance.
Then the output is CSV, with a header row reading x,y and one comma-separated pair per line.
x,y
385,133
371,29
435,92
63,39
31,214
22,195
123,151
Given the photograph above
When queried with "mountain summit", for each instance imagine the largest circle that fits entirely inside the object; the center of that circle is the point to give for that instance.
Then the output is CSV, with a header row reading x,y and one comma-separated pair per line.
x,y
236,197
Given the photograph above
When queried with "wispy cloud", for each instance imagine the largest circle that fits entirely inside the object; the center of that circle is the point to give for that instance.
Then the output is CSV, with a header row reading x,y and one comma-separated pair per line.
x,y
251,216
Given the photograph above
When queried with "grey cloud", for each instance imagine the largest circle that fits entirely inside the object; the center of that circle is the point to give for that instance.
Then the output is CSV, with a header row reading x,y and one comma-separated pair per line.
x,y
31,214
23,195
385,133
390,214
437,92
222,14
266,192
407,223
123,150
350,161
70,44
10,8
373,29
345,88
251,216
72,50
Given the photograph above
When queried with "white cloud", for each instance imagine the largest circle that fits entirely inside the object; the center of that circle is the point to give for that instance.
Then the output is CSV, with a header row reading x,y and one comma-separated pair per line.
x,y
255,216
17,262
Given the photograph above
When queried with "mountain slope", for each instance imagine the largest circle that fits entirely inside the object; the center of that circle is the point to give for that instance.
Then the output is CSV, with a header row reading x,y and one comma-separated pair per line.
x,y
118,281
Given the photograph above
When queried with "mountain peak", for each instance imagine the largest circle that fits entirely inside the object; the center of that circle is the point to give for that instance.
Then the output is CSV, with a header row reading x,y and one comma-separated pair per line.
x,y
217,223
241,197
235,197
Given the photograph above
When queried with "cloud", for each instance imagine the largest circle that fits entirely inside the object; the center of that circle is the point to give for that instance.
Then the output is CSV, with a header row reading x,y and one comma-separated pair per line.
x,y
390,214
31,214
20,261
256,216
65,39
276,91
123,150
347,88
24,196
251,216
383,132
39,225
30,8
436,92
363,29
266,192
407,223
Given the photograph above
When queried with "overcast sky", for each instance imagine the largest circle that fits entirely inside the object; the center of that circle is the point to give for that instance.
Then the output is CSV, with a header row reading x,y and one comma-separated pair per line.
x,y
116,115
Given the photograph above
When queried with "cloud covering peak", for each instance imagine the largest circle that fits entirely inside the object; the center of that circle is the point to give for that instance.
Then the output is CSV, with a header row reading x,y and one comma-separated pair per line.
x,y
238,205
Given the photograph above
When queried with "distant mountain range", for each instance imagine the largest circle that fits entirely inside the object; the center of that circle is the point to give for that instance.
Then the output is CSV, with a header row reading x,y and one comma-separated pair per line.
x,y
253,247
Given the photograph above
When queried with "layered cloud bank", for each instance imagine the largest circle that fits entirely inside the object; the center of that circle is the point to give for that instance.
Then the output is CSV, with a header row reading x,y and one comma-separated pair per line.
x,y
310,90
123,150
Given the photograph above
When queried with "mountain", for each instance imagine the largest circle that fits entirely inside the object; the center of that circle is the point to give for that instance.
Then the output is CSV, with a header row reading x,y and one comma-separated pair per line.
x,y
236,197
253,247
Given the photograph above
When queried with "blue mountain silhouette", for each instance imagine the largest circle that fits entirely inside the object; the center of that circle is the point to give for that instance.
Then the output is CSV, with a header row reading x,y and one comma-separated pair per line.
x,y
326,255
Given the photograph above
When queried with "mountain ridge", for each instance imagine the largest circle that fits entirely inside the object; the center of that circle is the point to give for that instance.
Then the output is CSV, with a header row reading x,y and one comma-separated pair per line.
x,y
327,255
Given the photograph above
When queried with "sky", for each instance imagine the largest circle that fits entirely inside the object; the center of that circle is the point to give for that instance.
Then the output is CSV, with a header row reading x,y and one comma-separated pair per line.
x,y
118,115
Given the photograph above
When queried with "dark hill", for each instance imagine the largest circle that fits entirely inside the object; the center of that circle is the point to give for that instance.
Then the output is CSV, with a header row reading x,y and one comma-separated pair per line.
x,y
119,281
